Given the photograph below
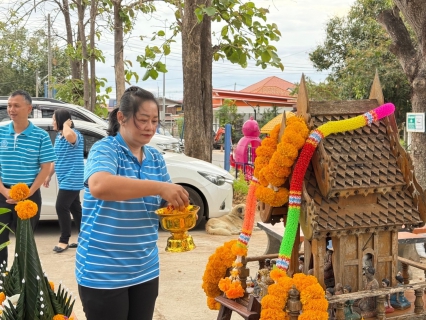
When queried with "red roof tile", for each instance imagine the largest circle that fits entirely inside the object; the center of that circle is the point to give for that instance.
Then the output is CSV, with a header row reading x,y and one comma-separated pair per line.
x,y
271,85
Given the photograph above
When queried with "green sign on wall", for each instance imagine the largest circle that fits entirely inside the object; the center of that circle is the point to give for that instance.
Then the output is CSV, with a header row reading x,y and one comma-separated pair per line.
x,y
415,122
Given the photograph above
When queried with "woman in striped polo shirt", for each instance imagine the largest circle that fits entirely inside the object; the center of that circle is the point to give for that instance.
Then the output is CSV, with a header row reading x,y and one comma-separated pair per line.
x,y
126,180
69,168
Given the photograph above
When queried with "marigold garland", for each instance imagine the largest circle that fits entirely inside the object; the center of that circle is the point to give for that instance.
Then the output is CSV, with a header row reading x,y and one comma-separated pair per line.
x,y
312,297
216,268
295,197
19,192
273,175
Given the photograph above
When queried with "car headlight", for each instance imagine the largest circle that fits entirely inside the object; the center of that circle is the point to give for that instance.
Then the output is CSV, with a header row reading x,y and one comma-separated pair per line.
x,y
215,178
174,147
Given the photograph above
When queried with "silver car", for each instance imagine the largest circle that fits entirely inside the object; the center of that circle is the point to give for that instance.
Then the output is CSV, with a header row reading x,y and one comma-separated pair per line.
x,y
209,186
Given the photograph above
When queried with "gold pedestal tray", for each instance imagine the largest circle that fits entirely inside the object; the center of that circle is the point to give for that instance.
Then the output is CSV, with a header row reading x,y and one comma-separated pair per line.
x,y
178,224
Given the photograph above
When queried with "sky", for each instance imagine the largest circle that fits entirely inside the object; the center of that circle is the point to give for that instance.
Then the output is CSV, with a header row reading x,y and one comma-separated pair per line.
x,y
301,23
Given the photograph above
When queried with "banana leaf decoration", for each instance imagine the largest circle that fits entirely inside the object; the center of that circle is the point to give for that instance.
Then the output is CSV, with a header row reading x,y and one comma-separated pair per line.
x,y
37,301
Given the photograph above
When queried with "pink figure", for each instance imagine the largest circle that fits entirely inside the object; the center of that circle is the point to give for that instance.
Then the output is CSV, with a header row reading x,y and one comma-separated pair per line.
x,y
244,153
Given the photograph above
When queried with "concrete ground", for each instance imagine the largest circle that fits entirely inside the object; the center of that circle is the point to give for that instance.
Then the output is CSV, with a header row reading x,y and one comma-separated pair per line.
x,y
181,296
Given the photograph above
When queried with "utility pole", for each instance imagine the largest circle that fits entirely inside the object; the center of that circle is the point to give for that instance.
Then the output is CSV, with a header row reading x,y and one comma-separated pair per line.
x,y
36,83
163,115
49,59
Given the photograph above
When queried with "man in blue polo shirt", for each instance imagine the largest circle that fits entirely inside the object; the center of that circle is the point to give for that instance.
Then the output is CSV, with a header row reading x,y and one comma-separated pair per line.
x,y
26,154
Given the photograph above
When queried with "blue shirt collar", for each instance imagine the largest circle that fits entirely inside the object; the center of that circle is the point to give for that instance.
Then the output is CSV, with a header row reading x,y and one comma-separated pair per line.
x,y
126,149
26,132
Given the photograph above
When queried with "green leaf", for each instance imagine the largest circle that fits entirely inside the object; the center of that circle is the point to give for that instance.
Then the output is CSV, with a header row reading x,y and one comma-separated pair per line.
x,y
161,67
224,31
146,75
153,74
4,210
161,33
265,56
210,11
200,14
166,49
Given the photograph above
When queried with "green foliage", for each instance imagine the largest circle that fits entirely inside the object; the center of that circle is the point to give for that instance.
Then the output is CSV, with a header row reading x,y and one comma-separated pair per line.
x,y
243,36
71,91
355,47
227,114
23,53
321,91
267,115
179,122
241,186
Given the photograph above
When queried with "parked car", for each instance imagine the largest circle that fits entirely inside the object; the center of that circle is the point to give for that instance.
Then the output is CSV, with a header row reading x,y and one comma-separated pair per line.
x,y
45,107
209,186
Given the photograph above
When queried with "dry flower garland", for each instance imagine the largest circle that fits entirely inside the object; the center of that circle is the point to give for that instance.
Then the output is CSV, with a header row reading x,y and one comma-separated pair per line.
x,y
312,297
216,268
273,175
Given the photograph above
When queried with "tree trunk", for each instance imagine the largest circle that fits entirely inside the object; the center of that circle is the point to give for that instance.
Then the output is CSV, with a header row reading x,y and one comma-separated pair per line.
x,y
81,8
75,64
412,57
197,82
93,13
118,51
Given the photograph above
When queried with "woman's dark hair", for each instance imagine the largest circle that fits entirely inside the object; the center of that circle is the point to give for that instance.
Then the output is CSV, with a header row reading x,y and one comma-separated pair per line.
x,y
62,115
130,102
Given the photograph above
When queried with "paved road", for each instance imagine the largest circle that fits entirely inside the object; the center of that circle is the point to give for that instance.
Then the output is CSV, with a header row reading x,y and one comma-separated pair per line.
x,y
181,296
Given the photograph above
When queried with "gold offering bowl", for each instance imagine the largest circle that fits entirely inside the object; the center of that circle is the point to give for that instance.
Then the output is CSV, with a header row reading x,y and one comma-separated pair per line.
x,y
178,224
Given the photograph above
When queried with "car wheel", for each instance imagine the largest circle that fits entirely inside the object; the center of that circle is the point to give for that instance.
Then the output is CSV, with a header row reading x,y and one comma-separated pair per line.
x,y
195,199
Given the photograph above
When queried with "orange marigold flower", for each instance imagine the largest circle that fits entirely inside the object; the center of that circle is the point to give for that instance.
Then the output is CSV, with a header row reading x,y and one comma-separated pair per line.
x,y
60,317
272,178
2,297
272,302
26,209
19,192
316,305
235,291
213,304
52,285
225,284
171,210
273,314
277,274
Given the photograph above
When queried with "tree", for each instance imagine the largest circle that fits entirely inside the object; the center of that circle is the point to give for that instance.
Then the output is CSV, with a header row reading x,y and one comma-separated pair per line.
x,y
355,47
23,54
410,49
243,37
321,91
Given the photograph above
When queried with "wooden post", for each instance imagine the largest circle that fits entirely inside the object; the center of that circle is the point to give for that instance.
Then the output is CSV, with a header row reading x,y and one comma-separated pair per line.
x,y
294,306
405,274
380,307
418,303
340,313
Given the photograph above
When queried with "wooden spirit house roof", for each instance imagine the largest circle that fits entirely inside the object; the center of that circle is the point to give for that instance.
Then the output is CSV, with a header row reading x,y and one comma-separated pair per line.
x,y
358,181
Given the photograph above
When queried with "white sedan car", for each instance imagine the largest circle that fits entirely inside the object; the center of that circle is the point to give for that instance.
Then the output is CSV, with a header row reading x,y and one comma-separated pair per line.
x,y
209,186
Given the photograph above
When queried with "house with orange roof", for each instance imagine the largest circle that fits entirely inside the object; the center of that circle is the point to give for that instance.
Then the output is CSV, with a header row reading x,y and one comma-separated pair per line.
x,y
256,98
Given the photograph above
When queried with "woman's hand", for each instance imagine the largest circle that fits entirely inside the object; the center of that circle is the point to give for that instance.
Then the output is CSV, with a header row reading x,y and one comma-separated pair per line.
x,y
175,195
68,123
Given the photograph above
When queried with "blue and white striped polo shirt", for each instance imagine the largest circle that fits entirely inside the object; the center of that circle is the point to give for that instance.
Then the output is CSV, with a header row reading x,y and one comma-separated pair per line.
x,y
22,154
70,164
117,244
